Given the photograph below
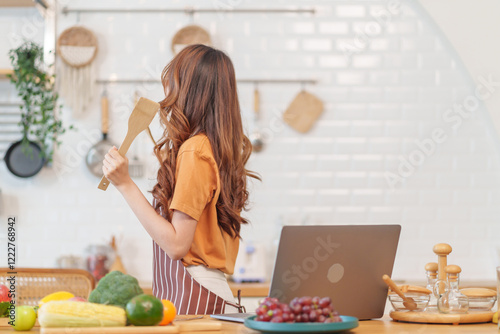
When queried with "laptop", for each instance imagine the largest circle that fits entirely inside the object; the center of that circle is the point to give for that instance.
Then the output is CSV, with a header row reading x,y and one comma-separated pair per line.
x,y
343,262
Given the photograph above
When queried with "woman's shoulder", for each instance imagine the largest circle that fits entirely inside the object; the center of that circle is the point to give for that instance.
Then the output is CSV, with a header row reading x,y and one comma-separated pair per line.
x,y
198,144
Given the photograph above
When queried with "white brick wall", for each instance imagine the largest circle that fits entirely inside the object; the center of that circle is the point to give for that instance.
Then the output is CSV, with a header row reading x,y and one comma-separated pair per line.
x,y
390,93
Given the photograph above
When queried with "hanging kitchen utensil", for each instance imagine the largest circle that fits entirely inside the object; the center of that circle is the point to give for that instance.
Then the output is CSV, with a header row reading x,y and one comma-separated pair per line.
x,y
142,115
77,47
135,166
117,263
303,112
191,34
256,136
24,161
96,154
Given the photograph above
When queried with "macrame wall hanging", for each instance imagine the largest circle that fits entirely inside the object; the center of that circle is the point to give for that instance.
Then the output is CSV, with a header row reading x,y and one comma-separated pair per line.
x,y
77,47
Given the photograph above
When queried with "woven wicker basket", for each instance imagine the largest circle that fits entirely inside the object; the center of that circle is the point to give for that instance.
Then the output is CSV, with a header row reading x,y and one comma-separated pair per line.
x,y
32,284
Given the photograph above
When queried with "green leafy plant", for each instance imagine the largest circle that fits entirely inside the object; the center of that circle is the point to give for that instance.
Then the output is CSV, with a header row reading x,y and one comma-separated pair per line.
x,y
36,89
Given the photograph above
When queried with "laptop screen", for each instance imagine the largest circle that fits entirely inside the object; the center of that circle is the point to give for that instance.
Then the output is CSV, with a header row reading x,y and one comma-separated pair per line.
x,y
343,262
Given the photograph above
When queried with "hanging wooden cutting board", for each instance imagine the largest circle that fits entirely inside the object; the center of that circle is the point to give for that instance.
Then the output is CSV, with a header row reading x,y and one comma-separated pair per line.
x,y
303,112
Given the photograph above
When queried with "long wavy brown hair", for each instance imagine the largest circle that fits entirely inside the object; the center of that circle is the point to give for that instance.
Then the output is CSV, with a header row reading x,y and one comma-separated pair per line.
x,y
201,98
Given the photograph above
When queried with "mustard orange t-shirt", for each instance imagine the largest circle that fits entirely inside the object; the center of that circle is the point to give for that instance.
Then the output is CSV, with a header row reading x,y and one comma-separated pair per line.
x,y
196,192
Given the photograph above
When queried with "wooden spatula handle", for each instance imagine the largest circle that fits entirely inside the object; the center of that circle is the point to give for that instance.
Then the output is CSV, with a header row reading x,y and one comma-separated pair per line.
x,y
103,185
390,283
104,114
256,102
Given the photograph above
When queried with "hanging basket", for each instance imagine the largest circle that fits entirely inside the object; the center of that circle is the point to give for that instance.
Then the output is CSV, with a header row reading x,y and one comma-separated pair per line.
x,y
77,47
188,35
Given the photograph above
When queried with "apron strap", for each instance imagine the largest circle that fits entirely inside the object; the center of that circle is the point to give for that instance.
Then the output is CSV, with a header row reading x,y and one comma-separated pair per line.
x,y
238,305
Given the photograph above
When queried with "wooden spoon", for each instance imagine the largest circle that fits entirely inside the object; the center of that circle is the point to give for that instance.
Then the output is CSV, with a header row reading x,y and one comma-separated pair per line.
x,y
142,115
408,302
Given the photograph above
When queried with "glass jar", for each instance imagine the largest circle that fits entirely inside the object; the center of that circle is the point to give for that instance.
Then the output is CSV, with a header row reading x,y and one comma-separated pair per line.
x,y
99,259
452,301
431,272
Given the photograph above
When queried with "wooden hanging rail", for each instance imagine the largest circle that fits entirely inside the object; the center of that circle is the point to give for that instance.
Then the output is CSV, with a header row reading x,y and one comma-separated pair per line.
x,y
244,81
4,72
189,10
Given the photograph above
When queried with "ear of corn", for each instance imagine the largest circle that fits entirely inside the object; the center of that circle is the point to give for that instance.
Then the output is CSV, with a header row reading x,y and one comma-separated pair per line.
x,y
80,314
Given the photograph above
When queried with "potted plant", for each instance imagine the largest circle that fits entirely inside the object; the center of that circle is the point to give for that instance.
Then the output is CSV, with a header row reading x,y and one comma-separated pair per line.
x,y
40,126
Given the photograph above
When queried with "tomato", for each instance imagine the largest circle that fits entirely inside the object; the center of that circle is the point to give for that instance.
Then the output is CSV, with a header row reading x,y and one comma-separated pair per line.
x,y
25,318
169,312
144,310
4,293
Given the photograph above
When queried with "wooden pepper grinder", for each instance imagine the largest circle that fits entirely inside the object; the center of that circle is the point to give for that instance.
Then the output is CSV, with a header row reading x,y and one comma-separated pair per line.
x,y
442,251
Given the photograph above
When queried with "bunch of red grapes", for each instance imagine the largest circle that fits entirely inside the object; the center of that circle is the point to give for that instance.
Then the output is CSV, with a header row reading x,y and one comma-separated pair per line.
x,y
303,309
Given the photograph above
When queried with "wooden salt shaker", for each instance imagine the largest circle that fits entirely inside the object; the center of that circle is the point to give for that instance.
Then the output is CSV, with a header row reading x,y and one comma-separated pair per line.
x,y
442,251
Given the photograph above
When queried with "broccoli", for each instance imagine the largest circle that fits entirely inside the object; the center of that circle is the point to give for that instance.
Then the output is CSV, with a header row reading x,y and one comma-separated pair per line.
x,y
115,288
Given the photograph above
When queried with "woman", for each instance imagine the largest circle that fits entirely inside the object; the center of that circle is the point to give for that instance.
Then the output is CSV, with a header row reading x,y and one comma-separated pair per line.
x,y
201,183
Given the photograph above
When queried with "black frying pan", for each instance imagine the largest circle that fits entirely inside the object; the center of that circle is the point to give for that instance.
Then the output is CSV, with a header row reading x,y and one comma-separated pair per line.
x,y
23,164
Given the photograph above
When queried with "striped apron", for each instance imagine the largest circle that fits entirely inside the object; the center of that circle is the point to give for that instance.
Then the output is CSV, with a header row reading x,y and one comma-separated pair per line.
x,y
173,282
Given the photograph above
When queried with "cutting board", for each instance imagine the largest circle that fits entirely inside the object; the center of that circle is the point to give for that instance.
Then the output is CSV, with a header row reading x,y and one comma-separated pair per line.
x,y
439,318
303,112
4,322
179,327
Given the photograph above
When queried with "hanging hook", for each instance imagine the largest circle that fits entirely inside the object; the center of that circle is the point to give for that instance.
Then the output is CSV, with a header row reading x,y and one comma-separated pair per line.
x,y
302,86
190,12
255,85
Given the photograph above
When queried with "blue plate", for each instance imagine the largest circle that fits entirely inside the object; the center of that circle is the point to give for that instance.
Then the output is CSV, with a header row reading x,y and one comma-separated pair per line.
x,y
333,327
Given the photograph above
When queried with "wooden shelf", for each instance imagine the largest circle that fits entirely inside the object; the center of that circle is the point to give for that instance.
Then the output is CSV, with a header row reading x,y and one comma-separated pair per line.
x,y
4,72
17,3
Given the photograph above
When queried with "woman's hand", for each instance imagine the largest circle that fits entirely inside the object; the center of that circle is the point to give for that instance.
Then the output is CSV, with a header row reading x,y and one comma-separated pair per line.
x,y
115,168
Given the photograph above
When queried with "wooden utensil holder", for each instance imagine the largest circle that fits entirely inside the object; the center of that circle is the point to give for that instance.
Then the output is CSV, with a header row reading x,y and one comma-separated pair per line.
x,y
434,316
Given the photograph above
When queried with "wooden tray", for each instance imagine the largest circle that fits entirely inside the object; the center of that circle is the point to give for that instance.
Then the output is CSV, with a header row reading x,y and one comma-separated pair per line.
x,y
439,318
4,322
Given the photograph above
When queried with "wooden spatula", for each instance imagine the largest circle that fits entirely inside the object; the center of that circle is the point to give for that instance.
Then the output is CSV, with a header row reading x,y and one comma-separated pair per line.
x,y
142,115
408,302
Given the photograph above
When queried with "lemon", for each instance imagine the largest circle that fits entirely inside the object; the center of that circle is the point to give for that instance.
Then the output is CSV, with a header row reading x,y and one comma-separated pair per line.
x,y
59,295
495,317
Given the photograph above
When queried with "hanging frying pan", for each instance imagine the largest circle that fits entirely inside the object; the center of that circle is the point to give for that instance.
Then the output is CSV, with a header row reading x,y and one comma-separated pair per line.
x,y
96,154
256,137
23,164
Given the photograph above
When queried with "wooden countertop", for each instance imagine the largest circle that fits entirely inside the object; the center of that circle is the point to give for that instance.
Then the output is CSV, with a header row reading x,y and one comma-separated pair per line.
x,y
384,325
